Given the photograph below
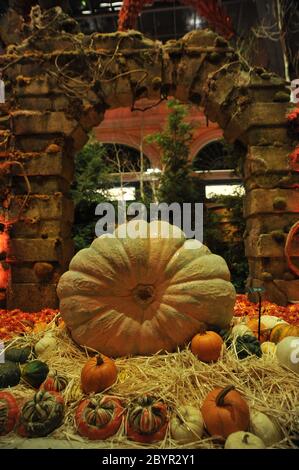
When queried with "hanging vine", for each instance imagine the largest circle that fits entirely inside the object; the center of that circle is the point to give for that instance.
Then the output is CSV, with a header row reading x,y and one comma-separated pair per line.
x,y
7,223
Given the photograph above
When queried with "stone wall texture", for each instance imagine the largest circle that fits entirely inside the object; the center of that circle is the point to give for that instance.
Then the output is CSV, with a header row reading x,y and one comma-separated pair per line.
x,y
58,88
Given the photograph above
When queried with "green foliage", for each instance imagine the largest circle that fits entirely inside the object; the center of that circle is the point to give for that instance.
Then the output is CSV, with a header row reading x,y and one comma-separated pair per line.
x,y
91,173
230,248
93,167
89,189
176,184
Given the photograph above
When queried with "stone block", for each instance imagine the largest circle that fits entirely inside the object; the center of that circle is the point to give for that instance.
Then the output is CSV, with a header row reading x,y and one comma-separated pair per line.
x,y
272,180
78,138
277,267
27,274
32,297
261,159
290,288
45,165
265,223
261,201
36,86
273,292
42,207
91,118
223,91
266,247
25,250
41,184
38,143
44,103
262,136
37,122
257,115
43,229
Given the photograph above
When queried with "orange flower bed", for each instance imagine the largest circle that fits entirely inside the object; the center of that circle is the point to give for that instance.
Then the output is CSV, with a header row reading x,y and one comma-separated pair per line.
x,y
244,307
15,322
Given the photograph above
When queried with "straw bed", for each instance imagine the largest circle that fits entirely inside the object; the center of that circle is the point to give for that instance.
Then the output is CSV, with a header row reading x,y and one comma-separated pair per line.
x,y
178,378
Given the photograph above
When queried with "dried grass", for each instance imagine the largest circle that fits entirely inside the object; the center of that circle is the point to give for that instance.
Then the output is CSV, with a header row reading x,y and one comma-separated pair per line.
x,y
178,378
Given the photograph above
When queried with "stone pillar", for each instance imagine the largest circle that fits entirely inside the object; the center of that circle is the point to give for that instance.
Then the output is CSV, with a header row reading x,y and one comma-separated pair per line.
x,y
54,102
252,108
43,139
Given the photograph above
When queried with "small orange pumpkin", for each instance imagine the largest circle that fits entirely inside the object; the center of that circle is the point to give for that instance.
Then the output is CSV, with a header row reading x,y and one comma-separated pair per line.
x,y
207,346
98,374
253,324
282,330
224,411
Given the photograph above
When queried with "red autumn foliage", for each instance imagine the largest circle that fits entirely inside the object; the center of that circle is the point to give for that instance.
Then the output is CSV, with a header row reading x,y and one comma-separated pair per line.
x,y
244,307
216,16
16,322
293,115
294,159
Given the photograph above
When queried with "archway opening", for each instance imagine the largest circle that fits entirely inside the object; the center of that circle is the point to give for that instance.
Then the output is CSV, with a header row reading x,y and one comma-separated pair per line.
x,y
105,172
216,168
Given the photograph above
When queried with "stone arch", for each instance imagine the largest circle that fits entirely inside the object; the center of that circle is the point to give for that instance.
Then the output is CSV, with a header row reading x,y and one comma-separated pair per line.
x,y
205,139
58,88
126,127
149,151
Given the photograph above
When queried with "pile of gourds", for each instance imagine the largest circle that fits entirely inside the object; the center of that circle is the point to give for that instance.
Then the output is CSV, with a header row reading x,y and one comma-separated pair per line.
x,y
224,413
44,411
277,338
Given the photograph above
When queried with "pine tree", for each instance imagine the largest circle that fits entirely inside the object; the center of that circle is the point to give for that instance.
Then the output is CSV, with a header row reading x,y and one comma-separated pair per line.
x,y
176,183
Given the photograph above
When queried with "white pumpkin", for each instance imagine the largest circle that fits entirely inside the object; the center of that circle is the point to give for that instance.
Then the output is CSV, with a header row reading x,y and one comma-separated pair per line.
x,y
265,427
46,345
287,353
187,425
268,348
244,440
240,330
270,321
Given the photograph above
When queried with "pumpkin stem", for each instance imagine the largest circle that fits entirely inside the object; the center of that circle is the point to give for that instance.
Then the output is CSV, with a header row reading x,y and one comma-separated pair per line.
x,y
220,397
99,359
202,328
245,439
144,294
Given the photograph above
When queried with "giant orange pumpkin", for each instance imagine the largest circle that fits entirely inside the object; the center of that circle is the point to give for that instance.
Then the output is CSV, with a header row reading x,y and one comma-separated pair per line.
x,y
127,296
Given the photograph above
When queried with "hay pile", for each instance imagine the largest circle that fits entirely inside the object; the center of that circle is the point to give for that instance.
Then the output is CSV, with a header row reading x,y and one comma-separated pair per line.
x,y
178,378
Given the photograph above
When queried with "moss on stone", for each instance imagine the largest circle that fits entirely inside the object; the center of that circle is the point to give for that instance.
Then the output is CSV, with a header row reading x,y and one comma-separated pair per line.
x,y
279,203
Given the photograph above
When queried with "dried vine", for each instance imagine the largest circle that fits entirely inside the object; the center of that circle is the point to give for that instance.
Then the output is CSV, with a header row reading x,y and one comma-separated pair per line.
x,y
7,224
